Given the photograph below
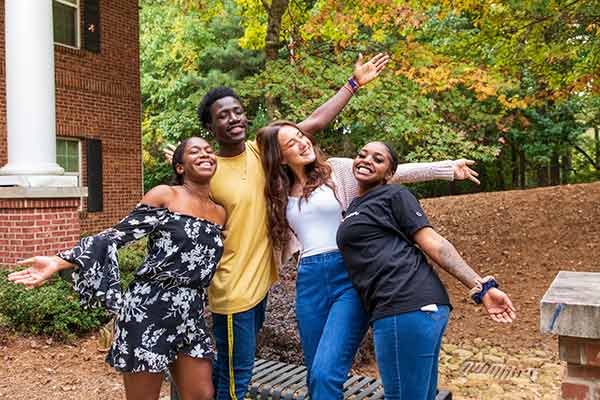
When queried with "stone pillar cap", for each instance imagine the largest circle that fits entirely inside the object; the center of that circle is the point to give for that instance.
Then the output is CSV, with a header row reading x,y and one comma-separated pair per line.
x,y
571,305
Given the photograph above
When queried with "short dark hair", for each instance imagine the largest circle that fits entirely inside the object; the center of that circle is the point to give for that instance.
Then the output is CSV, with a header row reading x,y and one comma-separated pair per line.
x,y
209,98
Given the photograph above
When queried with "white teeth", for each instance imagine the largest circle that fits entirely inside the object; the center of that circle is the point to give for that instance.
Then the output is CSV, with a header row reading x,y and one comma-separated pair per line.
x,y
363,169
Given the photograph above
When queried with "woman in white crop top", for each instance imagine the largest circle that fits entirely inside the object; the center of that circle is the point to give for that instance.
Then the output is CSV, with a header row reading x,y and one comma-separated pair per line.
x,y
306,196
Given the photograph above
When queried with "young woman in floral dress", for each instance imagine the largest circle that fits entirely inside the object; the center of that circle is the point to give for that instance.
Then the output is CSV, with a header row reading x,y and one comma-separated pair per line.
x,y
160,323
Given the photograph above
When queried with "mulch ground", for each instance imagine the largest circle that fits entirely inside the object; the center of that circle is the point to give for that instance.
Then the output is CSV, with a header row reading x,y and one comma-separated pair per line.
x,y
523,238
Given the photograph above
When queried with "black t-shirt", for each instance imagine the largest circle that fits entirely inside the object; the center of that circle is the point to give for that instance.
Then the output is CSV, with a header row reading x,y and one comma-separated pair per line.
x,y
386,267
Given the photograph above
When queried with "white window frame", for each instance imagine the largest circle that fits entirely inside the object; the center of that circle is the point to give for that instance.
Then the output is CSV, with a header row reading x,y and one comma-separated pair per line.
x,y
79,174
77,25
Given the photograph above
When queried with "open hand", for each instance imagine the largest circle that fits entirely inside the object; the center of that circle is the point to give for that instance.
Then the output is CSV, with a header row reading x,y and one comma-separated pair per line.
x,y
499,306
462,170
366,72
40,270
168,151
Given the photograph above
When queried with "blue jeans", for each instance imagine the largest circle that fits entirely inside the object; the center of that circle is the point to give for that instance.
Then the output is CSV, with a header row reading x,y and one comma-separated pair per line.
x,y
331,320
231,381
407,347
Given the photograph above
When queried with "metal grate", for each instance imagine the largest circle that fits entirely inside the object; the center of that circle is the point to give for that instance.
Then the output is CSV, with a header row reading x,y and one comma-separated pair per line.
x,y
273,380
498,371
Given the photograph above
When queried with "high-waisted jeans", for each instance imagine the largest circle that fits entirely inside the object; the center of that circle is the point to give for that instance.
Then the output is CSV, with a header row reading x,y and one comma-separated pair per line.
x,y
331,320
407,347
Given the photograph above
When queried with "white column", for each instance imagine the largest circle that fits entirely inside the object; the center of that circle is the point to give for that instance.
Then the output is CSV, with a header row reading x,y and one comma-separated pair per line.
x,y
30,96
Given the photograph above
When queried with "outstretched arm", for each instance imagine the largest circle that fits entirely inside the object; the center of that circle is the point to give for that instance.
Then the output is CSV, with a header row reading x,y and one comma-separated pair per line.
x,y
363,73
445,170
440,250
41,268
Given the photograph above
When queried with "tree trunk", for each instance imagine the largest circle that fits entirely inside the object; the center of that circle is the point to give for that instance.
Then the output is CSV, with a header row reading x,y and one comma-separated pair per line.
x,y
566,167
554,170
272,45
522,169
500,184
483,178
514,165
597,146
542,175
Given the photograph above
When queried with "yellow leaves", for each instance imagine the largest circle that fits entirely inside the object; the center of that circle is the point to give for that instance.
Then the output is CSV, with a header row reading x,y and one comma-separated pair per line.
x,y
254,20
514,102
254,35
180,50
593,28
340,21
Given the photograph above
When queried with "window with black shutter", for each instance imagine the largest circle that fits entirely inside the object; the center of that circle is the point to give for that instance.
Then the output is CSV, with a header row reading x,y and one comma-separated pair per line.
x,y
91,25
94,174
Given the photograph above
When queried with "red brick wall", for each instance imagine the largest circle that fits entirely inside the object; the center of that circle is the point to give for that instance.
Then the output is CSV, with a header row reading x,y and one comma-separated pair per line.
x,y
31,227
98,96
582,376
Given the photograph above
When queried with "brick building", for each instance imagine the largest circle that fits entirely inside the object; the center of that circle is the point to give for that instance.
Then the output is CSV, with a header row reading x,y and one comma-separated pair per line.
x,y
72,65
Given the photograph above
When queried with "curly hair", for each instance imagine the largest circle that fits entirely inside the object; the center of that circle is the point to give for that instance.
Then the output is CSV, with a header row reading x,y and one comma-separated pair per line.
x,y
280,179
203,110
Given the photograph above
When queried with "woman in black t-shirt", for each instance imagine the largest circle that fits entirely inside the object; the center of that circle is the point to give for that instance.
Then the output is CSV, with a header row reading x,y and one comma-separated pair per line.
x,y
407,303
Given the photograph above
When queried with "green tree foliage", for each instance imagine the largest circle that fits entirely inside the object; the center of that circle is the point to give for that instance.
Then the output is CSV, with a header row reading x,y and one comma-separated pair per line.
x,y
184,53
501,82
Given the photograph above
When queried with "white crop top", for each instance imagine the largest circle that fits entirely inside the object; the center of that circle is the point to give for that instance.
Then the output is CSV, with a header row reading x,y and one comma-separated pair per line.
x,y
316,222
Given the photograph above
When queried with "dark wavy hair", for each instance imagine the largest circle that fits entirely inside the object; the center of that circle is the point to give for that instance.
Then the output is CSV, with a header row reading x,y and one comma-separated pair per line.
x,y
177,179
280,178
203,110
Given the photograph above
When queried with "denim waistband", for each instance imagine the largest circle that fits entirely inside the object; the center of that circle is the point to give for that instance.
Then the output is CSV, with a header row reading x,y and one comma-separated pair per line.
x,y
322,257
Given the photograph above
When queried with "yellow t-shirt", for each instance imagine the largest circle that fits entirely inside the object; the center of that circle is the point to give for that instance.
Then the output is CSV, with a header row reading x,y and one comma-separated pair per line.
x,y
247,269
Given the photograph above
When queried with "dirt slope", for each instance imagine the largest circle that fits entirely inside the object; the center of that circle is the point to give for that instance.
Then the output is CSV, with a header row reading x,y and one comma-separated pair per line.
x,y
523,237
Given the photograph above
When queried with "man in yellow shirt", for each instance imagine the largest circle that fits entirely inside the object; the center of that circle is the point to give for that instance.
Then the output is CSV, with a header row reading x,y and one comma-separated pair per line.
x,y
248,268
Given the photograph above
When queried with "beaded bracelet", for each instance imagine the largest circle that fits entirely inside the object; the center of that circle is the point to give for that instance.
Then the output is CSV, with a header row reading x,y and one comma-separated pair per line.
x,y
348,88
353,84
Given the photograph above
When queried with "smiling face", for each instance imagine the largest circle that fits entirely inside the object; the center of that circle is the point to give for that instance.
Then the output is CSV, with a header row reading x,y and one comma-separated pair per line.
x,y
296,149
228,121
199,161
372,165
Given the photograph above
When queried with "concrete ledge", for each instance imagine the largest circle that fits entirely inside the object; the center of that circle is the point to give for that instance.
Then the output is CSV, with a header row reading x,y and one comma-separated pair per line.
x,y
38,180
571,306
17,192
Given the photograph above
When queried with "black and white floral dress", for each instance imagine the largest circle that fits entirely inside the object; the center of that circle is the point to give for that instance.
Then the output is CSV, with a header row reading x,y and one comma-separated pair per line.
x,y
161,312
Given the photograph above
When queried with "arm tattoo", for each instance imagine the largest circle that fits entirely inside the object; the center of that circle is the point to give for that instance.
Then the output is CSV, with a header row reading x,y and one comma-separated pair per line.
x,y
449,259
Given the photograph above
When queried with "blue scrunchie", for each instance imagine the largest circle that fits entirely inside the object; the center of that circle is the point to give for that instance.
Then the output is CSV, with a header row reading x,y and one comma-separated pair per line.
x,y
485,287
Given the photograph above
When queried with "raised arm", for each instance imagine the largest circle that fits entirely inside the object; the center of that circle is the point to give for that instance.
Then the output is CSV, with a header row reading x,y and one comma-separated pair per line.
x,y
443,253
363,73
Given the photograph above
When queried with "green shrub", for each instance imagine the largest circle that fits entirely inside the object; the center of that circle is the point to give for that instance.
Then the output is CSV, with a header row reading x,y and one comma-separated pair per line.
x,y
54,308
130,258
